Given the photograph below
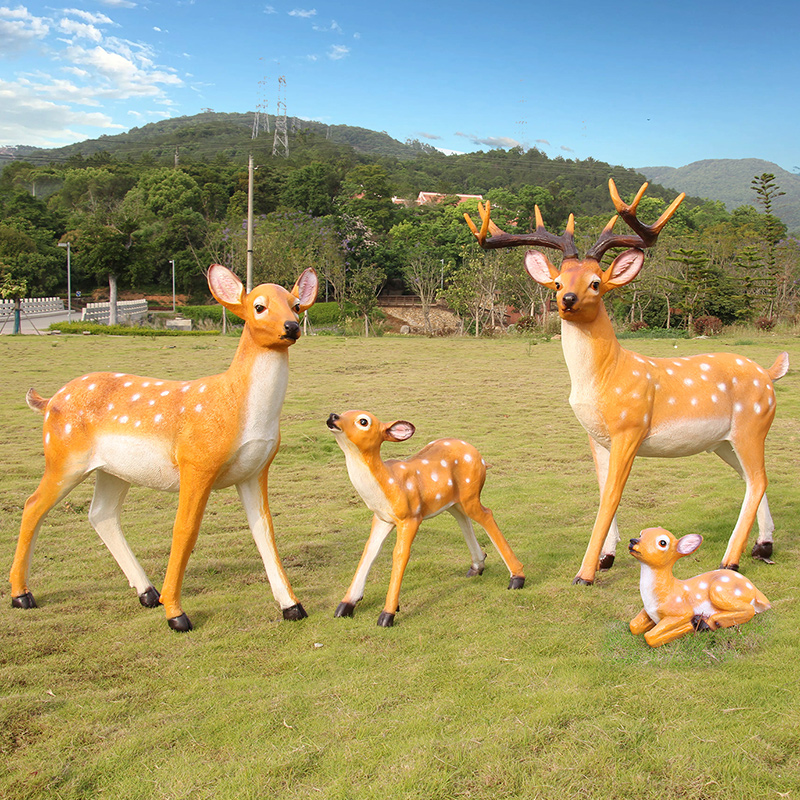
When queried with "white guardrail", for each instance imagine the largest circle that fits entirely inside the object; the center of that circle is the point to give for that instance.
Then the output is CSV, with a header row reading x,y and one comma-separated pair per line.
x,y
127,311
33,305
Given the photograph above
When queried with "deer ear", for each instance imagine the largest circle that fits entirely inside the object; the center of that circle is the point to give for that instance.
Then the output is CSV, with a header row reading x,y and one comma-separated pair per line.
x,y
689,543
538,266
305,290
399,431
624,268
226,288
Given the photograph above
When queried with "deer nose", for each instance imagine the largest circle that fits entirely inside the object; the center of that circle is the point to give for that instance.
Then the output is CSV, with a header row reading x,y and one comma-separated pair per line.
x,y
332,420
292,329
633,544
569,299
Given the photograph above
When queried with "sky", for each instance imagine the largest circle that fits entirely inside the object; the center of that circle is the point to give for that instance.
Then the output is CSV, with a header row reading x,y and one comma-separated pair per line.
x,y
637,84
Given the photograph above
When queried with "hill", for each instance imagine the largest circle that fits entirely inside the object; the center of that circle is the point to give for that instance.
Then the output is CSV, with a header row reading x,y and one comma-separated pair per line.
x,y
210,133
728,180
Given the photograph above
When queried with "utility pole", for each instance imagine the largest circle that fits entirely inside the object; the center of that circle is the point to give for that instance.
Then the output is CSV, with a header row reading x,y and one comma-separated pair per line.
x,y
69,281
250,174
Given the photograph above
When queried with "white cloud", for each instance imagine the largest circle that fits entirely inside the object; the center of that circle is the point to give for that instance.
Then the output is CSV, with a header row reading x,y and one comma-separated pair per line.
x,y
270,10
491,141
88,16
338,51
118,3
303,13
80,30
19,29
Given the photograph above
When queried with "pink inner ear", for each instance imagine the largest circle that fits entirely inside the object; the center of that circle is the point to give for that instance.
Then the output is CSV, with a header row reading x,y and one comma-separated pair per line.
x,y
401,430
307,288
538,267
225,285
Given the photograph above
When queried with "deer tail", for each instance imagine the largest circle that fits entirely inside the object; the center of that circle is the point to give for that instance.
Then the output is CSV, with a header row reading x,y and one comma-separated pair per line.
x,y
36,401
780,367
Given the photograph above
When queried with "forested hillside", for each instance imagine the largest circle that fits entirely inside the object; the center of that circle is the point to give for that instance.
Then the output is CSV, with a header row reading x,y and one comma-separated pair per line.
x,y
343,200
728,180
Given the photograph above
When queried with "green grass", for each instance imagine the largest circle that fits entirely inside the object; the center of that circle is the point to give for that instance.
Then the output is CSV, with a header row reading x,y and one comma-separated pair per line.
x,y
477,692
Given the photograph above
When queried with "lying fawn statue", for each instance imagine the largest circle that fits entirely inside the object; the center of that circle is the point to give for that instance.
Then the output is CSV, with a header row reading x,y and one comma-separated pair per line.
x,y
672,607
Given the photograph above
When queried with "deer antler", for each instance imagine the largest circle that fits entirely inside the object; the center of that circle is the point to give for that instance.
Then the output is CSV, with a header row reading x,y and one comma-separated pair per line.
x,y
540,237
646,235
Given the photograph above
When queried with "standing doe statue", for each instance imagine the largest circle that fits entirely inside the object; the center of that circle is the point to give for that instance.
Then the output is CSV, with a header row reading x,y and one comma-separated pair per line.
x,y
446,475
188,437
672,607
635,405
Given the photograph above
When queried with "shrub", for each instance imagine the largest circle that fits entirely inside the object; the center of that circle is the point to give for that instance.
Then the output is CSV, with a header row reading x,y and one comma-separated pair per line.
x,y
707,326
765,323
638,326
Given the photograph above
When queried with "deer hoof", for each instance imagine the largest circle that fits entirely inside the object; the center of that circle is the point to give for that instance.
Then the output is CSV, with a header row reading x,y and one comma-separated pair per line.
x,y
578,581
763,552
344,610
386,620
472,572
23,601
700,625
181,624
606,562
150,598
732,567
294,613
516,582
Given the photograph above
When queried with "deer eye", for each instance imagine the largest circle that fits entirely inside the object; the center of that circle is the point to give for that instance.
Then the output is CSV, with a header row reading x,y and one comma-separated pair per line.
x,y
363,422
558,286
260,309
662,544
596,284
297,307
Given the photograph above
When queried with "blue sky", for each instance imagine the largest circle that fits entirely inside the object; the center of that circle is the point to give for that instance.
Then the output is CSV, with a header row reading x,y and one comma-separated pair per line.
x,y
639,84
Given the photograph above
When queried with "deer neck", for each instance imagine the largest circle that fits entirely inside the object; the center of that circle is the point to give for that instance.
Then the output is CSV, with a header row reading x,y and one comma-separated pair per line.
x,y
589,347
369,475
258,378
655,586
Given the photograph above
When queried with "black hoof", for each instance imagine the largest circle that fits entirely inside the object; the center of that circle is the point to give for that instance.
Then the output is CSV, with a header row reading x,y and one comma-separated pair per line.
x,y
606,562
23,601
578,581
700,625
386,620
294,612
472,572
344,610
150,598
516,582
181,624
763,552
732,567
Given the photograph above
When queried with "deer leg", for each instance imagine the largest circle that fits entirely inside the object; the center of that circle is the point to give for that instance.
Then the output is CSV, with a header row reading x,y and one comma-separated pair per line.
x,y
749,457
621,456
52,488
192,500
406,531
484,517
762,549
380,530
253,494
727,619
607,554
104,513
477,556
668,629
641,623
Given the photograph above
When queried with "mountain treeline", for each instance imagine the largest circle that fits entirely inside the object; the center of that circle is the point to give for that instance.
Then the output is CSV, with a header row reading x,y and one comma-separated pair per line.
x,y
343,201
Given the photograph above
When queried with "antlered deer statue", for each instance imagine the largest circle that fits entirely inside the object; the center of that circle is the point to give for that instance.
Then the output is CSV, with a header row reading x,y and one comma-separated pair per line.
x,y
188,437
631,404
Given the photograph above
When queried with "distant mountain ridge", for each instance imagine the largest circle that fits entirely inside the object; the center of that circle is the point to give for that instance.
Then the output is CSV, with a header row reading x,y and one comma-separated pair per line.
x,y
728,180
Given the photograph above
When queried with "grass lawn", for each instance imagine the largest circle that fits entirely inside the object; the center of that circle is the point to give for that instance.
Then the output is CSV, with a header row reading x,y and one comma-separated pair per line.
x,y
476,692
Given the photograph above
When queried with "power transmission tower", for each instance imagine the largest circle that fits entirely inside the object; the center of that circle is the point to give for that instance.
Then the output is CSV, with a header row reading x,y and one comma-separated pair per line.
x,y
280,144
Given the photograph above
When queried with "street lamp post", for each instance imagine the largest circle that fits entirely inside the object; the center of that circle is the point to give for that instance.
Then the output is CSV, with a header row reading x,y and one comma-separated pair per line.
x,y
69,281
172,261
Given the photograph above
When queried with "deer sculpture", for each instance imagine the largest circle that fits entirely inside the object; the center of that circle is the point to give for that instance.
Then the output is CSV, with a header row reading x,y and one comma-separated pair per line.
x,y
446,475
632,404
188,437
672,607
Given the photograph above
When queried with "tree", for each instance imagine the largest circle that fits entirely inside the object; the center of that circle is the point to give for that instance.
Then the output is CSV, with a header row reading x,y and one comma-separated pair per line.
x,y
766,192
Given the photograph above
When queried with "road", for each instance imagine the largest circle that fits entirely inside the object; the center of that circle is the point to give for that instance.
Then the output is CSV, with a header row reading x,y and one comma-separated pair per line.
x,y
36,323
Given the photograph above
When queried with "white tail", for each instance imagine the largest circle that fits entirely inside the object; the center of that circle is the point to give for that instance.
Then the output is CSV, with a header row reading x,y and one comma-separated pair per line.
x,y
446,475
672,607
188,437
635,405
